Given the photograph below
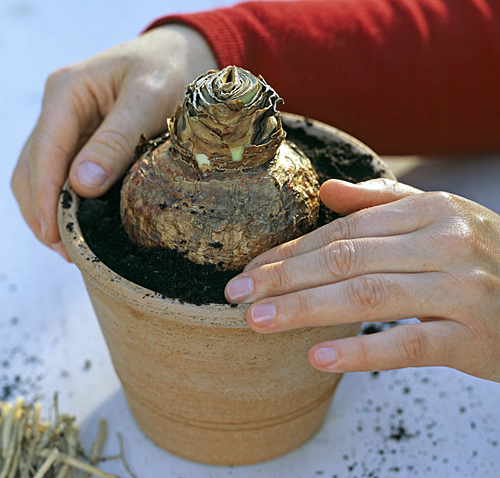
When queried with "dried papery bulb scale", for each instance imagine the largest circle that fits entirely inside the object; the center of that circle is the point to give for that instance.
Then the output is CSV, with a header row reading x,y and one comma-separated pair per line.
x,y
222,185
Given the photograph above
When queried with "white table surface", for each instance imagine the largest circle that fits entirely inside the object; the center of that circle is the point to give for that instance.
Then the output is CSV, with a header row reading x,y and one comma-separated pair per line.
x,y
430,422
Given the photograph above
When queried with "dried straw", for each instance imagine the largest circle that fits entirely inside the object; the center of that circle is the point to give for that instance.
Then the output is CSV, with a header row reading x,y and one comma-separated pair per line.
x,y
31,448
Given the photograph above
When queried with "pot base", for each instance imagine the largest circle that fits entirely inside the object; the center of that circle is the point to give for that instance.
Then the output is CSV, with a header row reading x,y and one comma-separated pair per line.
x,y
231,444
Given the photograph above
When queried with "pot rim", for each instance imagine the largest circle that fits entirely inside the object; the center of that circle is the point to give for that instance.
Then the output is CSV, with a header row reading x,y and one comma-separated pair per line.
x,y
133,294
141,298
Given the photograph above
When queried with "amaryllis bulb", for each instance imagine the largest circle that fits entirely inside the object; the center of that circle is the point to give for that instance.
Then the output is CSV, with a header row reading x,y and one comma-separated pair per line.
x,y
222,185
228,120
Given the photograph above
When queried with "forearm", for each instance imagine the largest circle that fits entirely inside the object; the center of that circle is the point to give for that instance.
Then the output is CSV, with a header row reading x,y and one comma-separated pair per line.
x,y
405,77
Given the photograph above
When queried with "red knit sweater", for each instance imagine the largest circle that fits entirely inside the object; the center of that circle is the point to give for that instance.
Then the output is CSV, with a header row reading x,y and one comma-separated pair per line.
x,y
404,76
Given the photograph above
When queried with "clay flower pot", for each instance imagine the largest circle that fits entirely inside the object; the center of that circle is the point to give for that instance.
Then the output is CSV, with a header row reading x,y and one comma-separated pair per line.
x,y
198,380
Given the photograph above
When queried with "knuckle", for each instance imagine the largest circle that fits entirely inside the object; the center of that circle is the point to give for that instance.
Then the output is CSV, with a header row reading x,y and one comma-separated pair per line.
x,y
457,240
116,142
443,201
340,258
275,279
440,197
412,344
391,188
456,231
288,249
59,78
386,184
326,233
368,292
364,355
302,308
341,228
16,182
475,282
485,283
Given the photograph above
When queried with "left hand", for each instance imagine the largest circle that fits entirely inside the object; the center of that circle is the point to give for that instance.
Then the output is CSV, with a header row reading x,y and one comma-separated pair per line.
x,y
92,117
398,253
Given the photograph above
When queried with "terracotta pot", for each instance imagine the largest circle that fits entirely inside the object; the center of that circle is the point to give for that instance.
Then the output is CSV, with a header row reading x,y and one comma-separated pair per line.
x,y
198,380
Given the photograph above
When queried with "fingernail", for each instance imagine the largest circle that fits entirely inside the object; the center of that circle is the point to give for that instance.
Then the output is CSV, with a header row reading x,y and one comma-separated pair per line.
x,y
325,356
240,289
249,267
263,314
372,184
91,174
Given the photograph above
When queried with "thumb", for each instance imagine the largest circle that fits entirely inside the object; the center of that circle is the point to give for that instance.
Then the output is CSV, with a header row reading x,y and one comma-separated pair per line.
x,y
345,198
110,150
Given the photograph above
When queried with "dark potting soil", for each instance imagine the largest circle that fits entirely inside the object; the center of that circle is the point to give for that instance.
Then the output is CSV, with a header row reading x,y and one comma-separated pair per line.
x,y
170,273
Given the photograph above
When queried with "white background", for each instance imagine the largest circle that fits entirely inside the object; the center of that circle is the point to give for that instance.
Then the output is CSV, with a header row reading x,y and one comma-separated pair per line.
x,y
427,422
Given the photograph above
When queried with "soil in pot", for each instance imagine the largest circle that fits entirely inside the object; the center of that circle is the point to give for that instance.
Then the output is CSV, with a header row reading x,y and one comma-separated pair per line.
x,y
170,273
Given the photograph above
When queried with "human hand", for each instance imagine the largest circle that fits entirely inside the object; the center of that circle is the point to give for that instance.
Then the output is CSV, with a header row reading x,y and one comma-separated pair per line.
x,y
93,114
398,253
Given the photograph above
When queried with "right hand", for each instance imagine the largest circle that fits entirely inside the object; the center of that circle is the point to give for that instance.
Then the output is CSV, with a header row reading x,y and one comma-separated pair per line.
x,y
397,253
93,114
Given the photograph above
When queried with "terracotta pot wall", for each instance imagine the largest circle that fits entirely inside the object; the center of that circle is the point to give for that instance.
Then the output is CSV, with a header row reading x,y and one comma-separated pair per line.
x,y
198,380
246,397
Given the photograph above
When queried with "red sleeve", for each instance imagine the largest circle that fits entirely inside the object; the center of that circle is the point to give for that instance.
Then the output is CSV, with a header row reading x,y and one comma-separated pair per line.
x,y
404,76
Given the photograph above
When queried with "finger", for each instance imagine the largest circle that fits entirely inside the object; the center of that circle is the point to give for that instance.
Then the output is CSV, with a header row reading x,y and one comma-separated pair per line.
x,y
68,116
345,198
61,250
46,184
412,345
38,178
110,150
21,186
335,262
368,298
400,217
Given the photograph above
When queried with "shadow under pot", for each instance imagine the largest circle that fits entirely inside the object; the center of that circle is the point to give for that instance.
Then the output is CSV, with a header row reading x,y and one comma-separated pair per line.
x,y
199,382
